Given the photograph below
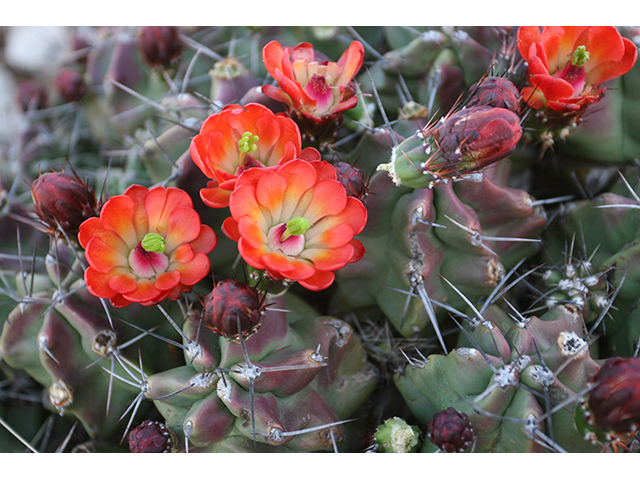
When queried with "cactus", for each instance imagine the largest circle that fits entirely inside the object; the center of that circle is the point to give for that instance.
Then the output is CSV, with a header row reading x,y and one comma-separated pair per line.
x,y
322,239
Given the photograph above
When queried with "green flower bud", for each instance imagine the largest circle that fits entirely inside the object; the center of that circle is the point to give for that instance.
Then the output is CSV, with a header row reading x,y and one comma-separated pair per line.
x,y
397,436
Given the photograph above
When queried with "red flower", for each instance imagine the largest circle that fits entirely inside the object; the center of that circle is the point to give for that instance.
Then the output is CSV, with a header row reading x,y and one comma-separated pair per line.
x,y
238,138
312,87
567,65
146,246
296,222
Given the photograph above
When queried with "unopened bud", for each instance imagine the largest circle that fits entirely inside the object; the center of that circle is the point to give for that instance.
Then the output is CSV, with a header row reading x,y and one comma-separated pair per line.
x,y
160,46
63,201
464,142
230,302
70,85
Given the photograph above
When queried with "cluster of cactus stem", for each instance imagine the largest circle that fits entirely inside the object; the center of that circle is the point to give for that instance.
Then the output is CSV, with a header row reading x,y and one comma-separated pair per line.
x,y
495,307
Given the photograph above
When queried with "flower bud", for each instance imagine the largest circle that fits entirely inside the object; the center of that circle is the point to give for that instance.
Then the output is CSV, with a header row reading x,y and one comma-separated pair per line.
x,y
231,301
450,430
494,92
31,95
352,179
160,46
396,436
463,142
614,402
70,85
63,201
151,437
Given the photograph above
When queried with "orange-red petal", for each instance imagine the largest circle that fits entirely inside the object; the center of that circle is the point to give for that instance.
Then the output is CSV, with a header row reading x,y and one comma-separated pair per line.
x,y
103,257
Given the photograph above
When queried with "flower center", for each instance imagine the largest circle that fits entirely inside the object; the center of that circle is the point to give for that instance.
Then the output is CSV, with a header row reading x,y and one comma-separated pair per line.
x,y
148,263
246,145
153,242
574,72
288,237
247,142
580,56
318,89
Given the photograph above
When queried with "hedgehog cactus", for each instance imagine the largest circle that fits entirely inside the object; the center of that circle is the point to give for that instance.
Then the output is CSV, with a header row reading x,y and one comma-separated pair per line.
x,y
316,239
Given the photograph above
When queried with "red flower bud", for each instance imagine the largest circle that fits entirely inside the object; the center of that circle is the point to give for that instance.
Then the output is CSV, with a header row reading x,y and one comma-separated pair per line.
x,y
70,85
494,92
474,138
63,201
450,430
614,402
354,181
31,95
151,437
228,302
160,46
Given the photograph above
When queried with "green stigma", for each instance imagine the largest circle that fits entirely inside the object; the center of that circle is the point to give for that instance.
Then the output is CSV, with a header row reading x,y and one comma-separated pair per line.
x,y
580,56
247,143
152,242
295,226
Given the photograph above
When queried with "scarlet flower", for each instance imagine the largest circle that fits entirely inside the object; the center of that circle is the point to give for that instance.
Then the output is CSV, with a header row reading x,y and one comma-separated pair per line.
x,y
567,65
239,138
146,246
310,86
296,222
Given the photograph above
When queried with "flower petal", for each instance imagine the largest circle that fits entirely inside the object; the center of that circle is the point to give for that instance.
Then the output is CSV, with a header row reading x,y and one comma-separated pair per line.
x,y
350,62
329,198
168,280
117,216
206,241
124,283
611,69
252,255
103,257
98,283
195,270
160,203
184,253
92,227
145,293
270,192
278,262
215,197
333,237
318,281
184,226
137,194
326,259
251,232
